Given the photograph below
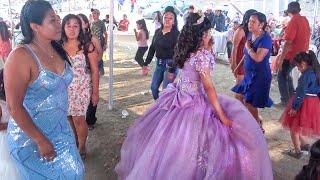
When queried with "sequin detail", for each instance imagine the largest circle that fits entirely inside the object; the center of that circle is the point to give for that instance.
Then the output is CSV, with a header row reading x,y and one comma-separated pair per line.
x,y
202,160
202,61
188,86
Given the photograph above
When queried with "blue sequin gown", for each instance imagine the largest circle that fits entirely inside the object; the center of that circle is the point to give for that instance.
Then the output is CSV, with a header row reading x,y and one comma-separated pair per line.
x,y
46,101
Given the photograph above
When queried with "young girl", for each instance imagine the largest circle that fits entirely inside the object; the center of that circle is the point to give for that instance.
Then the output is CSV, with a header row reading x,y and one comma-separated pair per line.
x,y
5,44
302,113
7,168
142,38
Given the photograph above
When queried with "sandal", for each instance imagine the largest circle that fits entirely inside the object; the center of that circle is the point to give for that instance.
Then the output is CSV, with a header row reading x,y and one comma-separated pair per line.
x,y
305,147
83,155
293,153
90,127
261,127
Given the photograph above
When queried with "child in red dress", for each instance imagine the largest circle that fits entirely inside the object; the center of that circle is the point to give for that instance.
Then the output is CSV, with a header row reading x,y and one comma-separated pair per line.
x,y
302,115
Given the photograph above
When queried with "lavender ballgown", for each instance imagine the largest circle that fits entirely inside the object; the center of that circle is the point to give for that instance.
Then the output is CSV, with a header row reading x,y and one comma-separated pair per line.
x,y
181,136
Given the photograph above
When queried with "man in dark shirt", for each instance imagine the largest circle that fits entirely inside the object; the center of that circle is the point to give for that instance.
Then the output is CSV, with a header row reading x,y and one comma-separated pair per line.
x,y
186,15
219,21
209,14
162,46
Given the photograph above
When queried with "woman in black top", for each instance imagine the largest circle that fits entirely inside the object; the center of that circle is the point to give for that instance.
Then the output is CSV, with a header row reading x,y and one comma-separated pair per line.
x,y
163,42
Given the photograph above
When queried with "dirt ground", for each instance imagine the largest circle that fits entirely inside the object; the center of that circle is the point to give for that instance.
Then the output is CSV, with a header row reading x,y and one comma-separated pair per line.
x,y
131,93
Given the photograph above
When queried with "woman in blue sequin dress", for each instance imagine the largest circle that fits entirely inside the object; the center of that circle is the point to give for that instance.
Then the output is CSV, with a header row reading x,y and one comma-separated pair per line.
x,y
37,75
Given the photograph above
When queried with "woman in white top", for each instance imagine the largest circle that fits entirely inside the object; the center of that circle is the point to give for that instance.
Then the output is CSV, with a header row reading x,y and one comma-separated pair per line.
x,y
142,37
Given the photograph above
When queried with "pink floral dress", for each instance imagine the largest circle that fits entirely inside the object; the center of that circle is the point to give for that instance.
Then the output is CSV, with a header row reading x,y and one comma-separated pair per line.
x,y
79,91
5,48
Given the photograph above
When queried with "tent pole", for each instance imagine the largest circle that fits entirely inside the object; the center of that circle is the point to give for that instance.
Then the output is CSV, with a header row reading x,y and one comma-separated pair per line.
x,y
12,24
111,54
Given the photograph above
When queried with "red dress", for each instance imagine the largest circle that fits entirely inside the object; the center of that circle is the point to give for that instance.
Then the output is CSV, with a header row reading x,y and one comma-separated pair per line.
x,y
5,48
240,55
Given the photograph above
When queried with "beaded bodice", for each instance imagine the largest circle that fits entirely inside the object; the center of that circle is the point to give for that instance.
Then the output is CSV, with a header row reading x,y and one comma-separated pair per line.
x,y
189,79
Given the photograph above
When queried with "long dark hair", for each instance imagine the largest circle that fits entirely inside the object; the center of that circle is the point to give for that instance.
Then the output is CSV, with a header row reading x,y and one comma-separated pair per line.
x,y
261,18
87,30
83,45
311,59
4,31
159,16
189,41
311,171
2,91
34,11
245,20
142,22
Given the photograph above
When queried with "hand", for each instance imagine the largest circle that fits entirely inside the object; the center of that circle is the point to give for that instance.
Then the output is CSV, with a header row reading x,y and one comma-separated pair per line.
x,y
235,72
248,45
170,77
3,126
226,121
46,150
278,63
95,99
145,70
292,112
233,66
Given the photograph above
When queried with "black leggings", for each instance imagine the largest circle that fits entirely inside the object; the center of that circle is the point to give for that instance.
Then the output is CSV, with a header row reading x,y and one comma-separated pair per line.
x,y
139,55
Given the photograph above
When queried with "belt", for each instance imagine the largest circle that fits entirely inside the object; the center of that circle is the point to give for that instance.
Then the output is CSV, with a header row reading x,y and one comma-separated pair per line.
x,y
164,62
313,95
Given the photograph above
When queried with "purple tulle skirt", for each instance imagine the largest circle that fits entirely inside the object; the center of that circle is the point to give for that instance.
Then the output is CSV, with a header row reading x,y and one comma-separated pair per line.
x,y
181,137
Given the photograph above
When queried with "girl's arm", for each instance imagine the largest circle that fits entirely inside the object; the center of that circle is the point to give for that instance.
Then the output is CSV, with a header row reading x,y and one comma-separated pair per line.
x,y
97,46
259,55
300,92
94,67
238,35
3,126
138,35
213,98
262,50
211,93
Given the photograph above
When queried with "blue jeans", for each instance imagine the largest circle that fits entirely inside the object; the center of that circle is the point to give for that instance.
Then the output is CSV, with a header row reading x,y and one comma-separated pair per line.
x,y
285,82
159,76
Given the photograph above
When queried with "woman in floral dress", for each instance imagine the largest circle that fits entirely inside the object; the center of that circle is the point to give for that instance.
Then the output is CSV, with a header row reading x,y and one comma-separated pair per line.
x,y
85,84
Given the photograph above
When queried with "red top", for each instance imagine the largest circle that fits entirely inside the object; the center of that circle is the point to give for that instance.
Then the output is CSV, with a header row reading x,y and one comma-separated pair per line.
x,y
240,54
123,25
298,31
5,48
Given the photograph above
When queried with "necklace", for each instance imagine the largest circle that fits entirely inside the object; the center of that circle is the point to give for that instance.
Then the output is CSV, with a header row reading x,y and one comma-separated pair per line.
x,y
254,38
44,51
